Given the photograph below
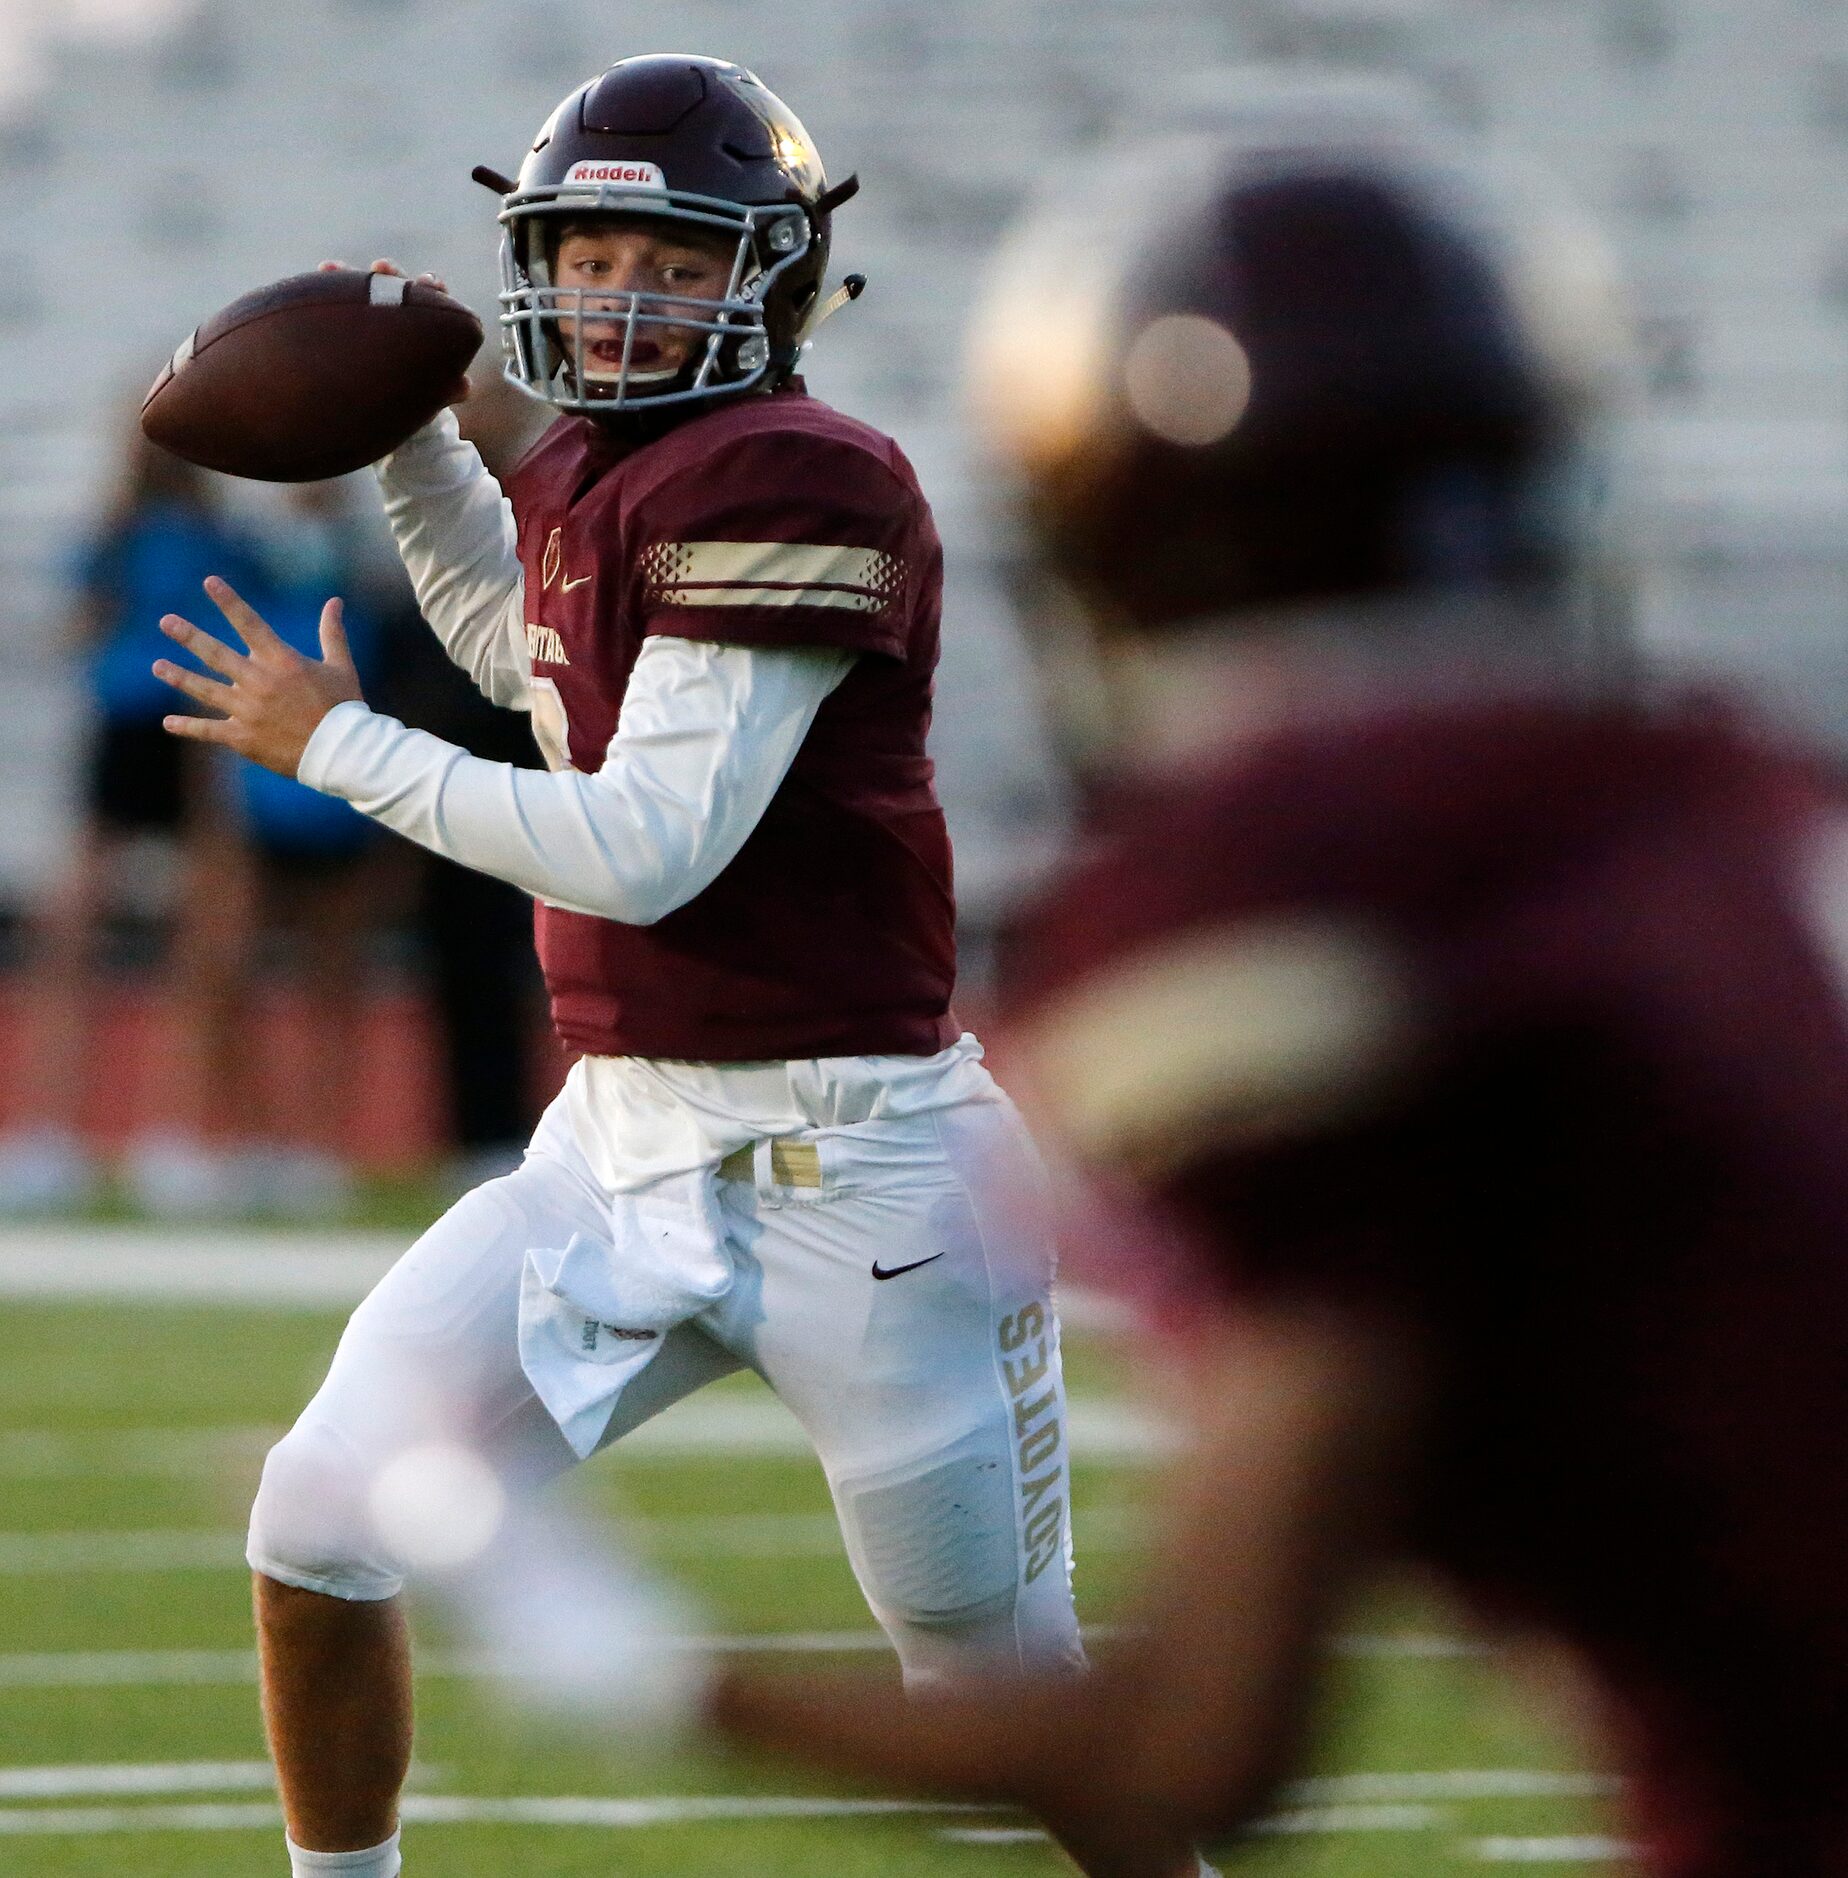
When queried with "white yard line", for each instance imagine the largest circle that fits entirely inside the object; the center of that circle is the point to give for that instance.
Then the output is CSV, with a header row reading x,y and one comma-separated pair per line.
x,y
439,1810
64,1554
233,1267
715,1535
1499,1783
1340,1819
150,1778
1327,1821
633,1814
723,1424
1328,1807
738,1536
247,1267
429,1810
256,1266
126,1778
132,1453
1583,1849
244,1816
125,1669
1409,1647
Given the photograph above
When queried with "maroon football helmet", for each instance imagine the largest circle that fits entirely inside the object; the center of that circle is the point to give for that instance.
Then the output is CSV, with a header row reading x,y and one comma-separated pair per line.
x,y
1296,355
698,145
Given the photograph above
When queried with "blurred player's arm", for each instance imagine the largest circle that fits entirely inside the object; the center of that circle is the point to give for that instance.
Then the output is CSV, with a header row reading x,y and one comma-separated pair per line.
x,y
1302,1421
455,534
706,736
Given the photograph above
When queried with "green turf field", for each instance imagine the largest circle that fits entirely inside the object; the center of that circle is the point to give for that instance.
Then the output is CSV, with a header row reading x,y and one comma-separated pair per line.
x,y
129,1438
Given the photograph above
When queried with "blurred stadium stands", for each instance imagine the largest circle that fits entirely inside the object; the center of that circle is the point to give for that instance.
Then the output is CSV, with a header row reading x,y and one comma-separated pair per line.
x,y
149,183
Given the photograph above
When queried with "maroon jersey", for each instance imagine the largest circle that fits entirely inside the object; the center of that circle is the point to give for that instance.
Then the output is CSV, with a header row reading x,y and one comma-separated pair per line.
x,y
1526,1019
773,522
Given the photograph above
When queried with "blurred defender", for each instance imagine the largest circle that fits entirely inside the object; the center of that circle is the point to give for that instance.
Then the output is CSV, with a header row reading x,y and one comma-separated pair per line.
x,y
1471,1034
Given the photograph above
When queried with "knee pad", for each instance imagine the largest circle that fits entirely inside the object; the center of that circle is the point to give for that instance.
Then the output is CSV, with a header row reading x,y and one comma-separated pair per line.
x,y
942,1557
934,1544
311,1525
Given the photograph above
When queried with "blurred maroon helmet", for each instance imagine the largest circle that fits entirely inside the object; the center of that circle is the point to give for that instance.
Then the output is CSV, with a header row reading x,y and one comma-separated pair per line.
x,y
1295,354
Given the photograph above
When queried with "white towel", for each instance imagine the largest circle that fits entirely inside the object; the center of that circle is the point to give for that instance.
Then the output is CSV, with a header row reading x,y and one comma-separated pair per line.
x,y
593,1313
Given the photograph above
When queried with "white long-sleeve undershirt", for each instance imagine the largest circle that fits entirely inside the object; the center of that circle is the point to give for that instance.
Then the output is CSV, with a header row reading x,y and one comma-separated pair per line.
x,y
455,535
706,735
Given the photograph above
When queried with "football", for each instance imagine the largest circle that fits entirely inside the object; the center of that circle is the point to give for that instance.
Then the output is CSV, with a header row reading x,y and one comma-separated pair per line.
x,y
315,376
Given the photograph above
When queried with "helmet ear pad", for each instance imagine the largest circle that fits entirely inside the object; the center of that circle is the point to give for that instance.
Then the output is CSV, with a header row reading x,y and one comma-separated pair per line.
x,y
791,297
801,292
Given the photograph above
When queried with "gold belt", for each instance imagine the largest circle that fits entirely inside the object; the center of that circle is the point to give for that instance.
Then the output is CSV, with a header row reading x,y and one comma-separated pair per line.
x,y
792,1163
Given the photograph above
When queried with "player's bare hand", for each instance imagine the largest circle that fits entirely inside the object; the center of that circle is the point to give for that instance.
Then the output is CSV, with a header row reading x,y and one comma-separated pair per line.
x,y
269,697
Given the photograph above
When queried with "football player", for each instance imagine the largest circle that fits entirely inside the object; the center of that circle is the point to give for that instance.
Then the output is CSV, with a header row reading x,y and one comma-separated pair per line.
x,y
718,598
1467,1021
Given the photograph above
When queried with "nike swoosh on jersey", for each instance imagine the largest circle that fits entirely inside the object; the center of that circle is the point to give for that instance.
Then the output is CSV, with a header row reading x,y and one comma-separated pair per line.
x,y
583,580
879,1271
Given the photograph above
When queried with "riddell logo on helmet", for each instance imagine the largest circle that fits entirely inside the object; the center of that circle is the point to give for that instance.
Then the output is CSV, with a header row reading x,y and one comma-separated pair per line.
x,y
634,175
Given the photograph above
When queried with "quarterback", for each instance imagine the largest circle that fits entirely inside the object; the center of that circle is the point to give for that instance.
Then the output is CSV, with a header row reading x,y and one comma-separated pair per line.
x,y
718,599
1466,1017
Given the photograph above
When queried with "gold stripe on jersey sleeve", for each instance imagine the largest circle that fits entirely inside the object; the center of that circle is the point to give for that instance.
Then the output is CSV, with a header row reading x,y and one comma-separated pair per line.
x,y
771,573
772,596
1236,1034
777,563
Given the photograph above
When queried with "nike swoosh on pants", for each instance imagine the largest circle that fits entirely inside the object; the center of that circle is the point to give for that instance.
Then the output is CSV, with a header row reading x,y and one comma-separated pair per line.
x,y
879,1271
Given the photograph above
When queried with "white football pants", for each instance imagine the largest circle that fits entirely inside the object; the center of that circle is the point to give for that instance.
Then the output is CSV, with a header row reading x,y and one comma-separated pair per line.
x,y
933,1396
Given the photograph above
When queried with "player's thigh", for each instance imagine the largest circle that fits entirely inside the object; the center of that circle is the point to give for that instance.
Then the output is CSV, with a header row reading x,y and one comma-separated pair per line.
x,y
431,1356
933,1395
899,1291
438,1339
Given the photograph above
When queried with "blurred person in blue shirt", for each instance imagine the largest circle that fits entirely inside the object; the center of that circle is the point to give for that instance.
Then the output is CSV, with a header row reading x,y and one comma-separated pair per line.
x,y
160,534
312,873
307,548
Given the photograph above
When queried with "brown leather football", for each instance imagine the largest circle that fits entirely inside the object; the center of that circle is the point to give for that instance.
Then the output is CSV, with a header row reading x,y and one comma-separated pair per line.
x,y
315,376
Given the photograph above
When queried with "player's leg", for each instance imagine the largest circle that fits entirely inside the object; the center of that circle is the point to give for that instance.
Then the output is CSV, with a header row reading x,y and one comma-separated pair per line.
x,y
933,1393
430,1357
336,1683
432,1353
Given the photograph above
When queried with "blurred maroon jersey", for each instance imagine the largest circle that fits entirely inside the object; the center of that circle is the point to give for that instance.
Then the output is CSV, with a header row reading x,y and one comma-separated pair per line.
x,y
775,521
1526,1019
